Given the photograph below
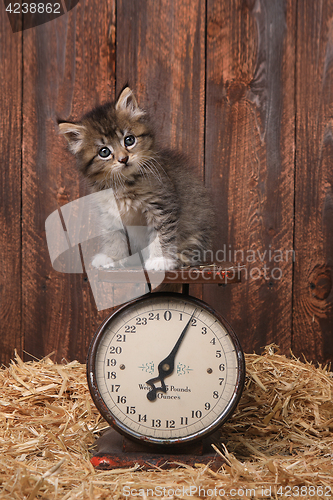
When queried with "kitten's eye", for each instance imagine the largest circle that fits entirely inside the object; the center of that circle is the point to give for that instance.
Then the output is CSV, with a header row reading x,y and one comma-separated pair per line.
x,y
104,152
129,140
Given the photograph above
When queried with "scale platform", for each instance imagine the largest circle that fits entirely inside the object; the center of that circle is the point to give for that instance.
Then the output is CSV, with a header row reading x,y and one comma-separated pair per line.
x,y
220,274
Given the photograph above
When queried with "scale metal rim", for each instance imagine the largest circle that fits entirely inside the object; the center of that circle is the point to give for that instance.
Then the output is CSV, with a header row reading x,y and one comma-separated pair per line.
x,y
138,437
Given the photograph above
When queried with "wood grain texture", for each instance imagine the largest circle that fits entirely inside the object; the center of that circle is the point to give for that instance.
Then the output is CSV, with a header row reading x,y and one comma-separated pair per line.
x,y
249,161
68,68
10,190
313,293
244,88
161,55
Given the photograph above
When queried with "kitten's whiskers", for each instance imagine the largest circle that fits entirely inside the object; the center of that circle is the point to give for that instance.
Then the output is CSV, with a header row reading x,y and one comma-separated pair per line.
x,y
147,165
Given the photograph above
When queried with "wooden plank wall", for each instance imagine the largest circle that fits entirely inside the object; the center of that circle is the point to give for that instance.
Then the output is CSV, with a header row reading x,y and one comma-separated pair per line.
x,y
68,67
250,160
313,294
11,335
244,88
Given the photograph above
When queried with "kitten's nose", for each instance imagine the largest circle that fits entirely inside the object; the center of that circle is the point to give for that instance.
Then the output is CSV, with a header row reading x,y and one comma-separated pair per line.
x,y
123,159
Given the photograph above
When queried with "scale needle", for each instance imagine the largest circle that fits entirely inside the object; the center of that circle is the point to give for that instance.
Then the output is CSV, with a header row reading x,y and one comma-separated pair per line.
x,y
166,366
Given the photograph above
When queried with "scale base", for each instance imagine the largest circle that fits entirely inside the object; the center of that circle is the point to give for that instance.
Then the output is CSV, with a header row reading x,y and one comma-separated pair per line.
x,y
113,451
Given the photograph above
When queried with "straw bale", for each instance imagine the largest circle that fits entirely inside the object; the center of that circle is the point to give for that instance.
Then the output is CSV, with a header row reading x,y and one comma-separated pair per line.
x,y
278,443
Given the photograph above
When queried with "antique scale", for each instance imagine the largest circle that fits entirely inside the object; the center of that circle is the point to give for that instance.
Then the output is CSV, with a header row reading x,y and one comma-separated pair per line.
x,y
165,371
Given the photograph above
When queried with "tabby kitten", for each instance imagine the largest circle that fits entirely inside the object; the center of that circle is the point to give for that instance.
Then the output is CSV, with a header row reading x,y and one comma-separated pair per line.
x,y
115,148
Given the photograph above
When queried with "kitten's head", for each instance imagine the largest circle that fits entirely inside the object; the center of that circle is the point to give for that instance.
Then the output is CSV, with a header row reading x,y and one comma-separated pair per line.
x,y
113,143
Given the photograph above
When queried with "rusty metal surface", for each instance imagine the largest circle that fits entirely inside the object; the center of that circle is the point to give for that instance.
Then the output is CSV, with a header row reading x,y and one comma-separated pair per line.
x,y
223,273
148,461
112,451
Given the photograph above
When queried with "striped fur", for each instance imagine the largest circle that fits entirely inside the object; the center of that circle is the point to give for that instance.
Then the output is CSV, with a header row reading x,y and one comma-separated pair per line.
x,y
153,187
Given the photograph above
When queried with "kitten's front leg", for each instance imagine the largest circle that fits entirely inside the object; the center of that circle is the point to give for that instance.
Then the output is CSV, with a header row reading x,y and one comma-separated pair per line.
x,y
161,256
102,260
162,219
115,249
160,264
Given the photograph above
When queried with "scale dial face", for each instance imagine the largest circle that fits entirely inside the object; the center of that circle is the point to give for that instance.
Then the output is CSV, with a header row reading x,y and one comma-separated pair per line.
x,y
165,369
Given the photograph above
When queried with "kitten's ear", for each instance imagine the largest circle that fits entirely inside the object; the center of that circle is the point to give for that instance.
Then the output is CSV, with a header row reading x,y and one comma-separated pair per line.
x,y
74,135
127,102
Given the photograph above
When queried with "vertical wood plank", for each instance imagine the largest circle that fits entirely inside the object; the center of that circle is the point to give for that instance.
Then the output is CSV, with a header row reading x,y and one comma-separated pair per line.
x,y
249,161
161,55
313,294
69,67
10,190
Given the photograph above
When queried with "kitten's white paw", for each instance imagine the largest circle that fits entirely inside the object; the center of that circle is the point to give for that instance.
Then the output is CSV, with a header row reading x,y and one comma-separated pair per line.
x,y
102,260
160,264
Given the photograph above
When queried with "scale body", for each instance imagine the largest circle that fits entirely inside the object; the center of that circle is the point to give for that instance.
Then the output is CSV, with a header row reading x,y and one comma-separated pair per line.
x,y
165,371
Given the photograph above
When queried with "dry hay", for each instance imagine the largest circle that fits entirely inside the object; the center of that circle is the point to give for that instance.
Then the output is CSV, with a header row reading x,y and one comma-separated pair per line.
x,y
279,440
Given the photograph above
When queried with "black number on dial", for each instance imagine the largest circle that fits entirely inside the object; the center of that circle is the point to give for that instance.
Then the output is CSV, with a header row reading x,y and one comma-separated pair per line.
x,y
115,350
156,423
141,321
115,388
167,315
130,329
121,338
153,316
